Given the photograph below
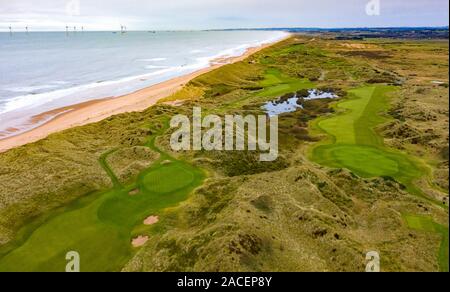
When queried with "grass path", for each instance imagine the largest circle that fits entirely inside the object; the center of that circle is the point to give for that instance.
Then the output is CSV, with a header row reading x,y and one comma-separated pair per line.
x,y
354,144
108,169
101,229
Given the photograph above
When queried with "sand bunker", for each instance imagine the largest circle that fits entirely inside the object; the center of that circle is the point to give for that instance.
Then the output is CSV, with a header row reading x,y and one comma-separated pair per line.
x,y
175,103
151,220
358,46
139,241
134,192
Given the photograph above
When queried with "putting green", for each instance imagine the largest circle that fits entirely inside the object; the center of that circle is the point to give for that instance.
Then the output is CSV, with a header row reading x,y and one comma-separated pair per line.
x,y
168,179
368,161
100,228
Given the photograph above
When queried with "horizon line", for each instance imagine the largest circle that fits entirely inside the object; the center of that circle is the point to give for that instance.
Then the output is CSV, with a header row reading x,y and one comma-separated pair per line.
x,y
228,29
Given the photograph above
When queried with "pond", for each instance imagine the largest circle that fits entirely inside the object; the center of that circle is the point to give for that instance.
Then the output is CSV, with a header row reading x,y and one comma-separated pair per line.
x,y
290,102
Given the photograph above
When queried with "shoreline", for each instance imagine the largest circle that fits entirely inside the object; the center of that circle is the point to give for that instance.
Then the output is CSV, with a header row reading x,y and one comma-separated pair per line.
x,y
99,109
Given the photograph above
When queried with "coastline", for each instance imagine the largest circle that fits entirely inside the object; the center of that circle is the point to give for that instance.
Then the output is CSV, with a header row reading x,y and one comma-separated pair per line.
x,y
100,109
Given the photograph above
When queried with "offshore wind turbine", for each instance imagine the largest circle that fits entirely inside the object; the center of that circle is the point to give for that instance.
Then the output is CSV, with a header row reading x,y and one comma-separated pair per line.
x,y
123,29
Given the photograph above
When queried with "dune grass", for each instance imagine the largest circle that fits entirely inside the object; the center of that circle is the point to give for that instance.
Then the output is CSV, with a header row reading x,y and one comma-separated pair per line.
x,y
101,230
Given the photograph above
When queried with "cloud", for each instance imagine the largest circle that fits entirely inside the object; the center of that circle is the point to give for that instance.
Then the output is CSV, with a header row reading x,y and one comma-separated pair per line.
x,y
204,14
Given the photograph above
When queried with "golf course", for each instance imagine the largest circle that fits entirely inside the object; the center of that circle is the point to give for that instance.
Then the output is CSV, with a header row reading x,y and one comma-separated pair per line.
x,y
362,166
102,228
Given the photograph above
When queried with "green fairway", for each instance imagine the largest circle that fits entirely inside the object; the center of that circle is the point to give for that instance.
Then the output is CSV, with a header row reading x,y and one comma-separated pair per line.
x,y
426,224
101,229
355,145
276,84
361,116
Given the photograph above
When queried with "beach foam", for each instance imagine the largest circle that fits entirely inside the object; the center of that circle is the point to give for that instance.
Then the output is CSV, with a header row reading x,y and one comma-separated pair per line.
x,y
153,60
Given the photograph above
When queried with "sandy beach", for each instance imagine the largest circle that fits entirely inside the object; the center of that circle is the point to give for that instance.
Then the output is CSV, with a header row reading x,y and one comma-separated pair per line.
x,y
97,110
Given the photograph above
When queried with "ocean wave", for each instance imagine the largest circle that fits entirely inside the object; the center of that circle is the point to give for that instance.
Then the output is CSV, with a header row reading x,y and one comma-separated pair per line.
x,y
155,67
34,88
152,60
196,51
241,49
28,101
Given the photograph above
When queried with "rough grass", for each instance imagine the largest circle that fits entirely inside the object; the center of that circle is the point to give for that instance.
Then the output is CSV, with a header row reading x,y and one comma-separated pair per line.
x,y
127,163
299,216
186,93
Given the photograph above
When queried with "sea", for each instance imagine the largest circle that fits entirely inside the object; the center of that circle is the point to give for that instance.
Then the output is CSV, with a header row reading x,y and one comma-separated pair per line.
x,y
44,71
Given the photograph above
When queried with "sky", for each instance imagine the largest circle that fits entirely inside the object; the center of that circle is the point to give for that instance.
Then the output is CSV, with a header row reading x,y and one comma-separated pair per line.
x,y
218,14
